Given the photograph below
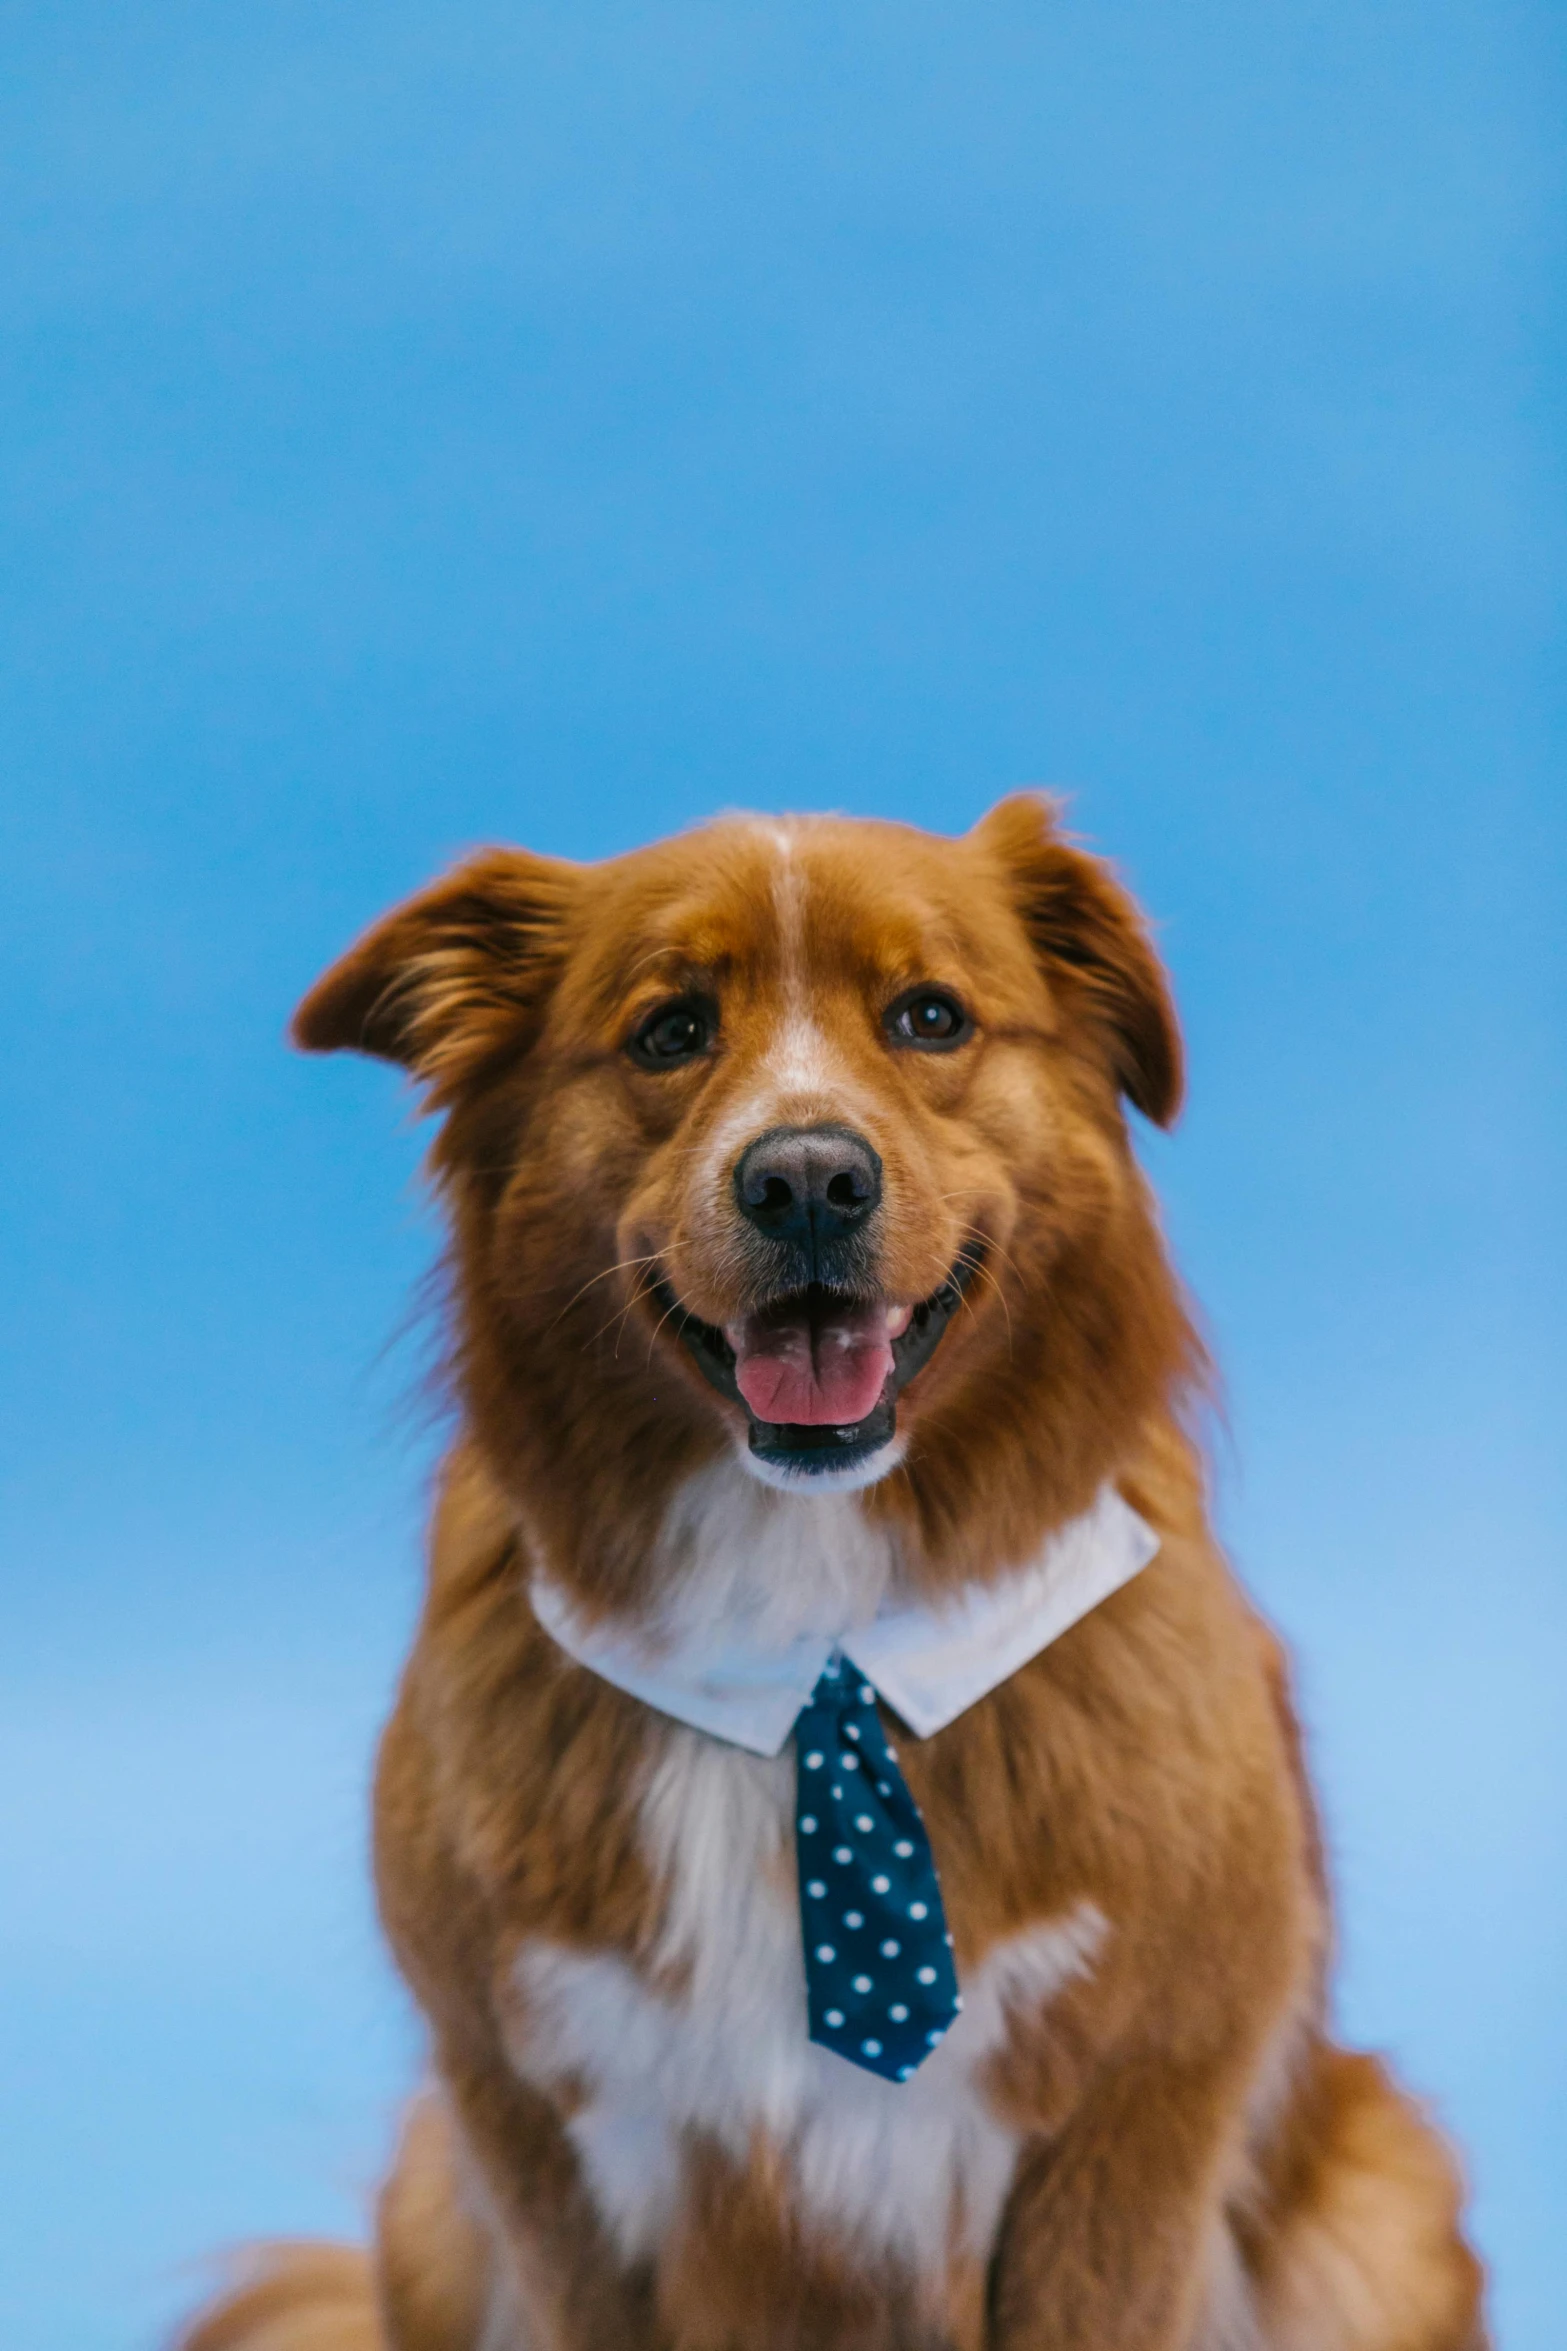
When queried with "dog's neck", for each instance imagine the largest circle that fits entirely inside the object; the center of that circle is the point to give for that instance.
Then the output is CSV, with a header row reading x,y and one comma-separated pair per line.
x,y
735,1560
736,1649
766,1568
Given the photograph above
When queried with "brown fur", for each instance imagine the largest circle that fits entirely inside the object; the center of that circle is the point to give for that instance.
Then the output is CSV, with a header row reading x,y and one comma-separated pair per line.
x,y
1199,2168
295,2297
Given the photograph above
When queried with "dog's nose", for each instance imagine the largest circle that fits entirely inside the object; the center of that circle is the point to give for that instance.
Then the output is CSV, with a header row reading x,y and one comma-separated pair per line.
x,y
808,1185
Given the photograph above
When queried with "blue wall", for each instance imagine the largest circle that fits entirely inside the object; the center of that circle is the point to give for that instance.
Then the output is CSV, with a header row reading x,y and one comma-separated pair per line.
x,y
427,425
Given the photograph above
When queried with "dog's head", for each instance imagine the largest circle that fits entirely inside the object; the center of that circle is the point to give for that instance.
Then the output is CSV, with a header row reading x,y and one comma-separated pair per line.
x,y
804,1136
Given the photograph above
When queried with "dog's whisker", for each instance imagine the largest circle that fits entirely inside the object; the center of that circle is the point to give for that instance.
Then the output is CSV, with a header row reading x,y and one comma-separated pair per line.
x,y
986,1274
992,1248
658,1326
616,1322
622,1265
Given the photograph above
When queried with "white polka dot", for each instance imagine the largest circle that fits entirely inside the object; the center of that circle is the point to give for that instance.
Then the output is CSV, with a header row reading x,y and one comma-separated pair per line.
x,y
834,2017
882,1788
948,1941
864,1824
816,1888
905,2073
891,1948
837,1792
922,1975
957,2002
813,1763
850,1762
842,1853
867,1694
851,1730
870,2048
862,1983
898,2013
903,1849
918,1910
880,1885
935,2034
807,1825
852,1918
825,1953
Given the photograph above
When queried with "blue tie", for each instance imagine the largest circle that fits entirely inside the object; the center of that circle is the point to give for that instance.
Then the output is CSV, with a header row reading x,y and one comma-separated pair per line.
x,y
879,1979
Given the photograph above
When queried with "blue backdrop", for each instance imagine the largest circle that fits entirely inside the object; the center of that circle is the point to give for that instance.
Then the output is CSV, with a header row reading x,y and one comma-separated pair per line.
x,y
423,425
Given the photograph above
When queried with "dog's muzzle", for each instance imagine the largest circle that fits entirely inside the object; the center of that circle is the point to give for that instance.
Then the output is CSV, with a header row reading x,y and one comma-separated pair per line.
x,y
780,1350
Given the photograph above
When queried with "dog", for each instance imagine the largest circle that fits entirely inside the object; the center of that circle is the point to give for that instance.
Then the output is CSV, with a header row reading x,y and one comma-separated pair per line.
x,y
811,1319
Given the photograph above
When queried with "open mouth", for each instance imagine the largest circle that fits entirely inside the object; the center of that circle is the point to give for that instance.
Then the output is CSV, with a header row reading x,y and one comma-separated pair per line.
x,y
818,1372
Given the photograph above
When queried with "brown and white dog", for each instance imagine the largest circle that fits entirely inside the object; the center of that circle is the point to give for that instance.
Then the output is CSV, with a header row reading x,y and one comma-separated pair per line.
x,y
803,1272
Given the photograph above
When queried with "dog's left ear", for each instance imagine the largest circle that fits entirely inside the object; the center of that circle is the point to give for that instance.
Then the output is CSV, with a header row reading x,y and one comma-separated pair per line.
x,y
454,978
1094,944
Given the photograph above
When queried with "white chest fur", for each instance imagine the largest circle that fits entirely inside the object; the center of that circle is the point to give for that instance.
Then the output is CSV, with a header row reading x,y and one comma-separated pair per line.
x,y
717,2044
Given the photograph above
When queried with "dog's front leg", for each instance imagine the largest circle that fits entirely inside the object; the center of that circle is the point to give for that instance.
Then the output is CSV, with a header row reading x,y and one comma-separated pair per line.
x,y
554,2282
1109,2230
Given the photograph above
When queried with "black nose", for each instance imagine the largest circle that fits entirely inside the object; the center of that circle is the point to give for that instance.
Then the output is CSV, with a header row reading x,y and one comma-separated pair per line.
x,y
808,1185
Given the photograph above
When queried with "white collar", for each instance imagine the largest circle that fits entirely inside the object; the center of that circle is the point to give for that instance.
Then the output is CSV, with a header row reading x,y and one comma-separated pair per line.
x,y
930,1663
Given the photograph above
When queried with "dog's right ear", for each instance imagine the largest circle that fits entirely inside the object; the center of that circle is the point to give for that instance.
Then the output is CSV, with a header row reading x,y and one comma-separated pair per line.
x,y
455,977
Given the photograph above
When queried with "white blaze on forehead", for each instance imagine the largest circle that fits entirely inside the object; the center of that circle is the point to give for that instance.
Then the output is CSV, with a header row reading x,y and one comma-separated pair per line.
x,y
800,1076
800,1059
788,901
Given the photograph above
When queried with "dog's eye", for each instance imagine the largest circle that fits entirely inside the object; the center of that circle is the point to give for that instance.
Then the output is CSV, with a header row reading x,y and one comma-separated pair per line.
x,y
928,1017
672,1035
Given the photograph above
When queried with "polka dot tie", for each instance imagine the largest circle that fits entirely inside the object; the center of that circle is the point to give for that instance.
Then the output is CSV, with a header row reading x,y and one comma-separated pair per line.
x,y
879,1979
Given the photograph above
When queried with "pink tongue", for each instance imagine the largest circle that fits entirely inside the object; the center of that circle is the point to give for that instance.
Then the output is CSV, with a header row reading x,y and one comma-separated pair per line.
x,y
815,1372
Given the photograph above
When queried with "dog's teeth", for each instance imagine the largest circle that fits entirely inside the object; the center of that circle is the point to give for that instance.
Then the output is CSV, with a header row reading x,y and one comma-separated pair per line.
x,y
898,1320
